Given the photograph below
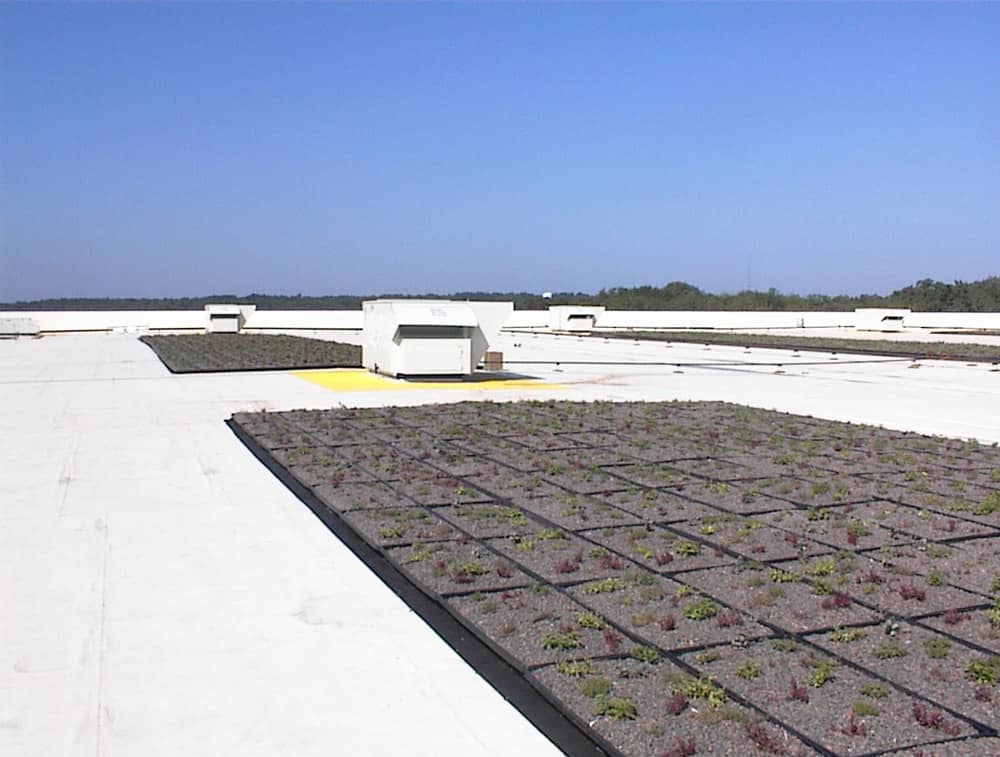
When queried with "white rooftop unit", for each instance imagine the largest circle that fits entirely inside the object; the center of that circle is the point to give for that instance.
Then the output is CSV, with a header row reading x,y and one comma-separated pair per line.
x,y
575,318
880,319
227,319
12,328
428,337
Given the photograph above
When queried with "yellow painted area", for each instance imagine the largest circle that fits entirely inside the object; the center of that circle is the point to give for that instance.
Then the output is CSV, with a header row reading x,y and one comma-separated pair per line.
x,y
363,381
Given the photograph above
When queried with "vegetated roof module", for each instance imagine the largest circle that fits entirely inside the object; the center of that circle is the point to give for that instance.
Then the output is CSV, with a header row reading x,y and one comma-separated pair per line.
x,y
680,577
893,348
200,353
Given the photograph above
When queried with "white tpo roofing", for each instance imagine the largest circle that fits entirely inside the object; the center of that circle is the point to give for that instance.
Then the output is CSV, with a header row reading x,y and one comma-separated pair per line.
x,y
164,594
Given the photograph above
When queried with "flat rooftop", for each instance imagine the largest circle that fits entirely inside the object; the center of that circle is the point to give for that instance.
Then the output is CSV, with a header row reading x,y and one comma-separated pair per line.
x,y
166,595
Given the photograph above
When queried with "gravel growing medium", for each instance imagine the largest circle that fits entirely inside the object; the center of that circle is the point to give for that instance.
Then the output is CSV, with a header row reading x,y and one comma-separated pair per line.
x,y
201,353
685,578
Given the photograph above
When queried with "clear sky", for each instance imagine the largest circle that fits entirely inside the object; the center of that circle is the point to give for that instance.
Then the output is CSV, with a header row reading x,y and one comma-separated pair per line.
x,y
185,149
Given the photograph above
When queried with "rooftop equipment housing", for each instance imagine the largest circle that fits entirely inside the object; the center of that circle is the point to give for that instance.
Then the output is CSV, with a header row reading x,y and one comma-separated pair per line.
x,y
880,319
227,319
12,328
429,337
573,318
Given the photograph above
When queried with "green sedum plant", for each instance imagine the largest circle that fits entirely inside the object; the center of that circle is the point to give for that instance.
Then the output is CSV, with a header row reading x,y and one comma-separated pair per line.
x,y
703,688
864,709
890,651
575,668
822,672
686,548
782,576
700,609
989,505
985,670
993,614
748,670
618,708
846,635
595,688
645,654
590,620
603,586
561,640
874,690
937,647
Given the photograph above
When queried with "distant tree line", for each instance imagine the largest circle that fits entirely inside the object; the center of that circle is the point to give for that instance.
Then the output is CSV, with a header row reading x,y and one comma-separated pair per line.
x,y
926,295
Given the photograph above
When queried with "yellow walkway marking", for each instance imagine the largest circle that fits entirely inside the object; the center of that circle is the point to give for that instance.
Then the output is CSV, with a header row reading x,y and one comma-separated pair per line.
x,y
363,381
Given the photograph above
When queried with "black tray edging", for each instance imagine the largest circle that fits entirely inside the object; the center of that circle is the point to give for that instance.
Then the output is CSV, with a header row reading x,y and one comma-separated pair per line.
x,y
555,722
277,369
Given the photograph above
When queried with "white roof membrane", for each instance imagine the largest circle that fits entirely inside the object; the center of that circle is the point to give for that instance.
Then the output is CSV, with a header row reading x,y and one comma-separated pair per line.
x,y
164,594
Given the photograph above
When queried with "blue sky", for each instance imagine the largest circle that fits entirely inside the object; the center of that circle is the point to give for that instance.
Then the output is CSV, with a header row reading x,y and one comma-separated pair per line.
x,y
185,149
